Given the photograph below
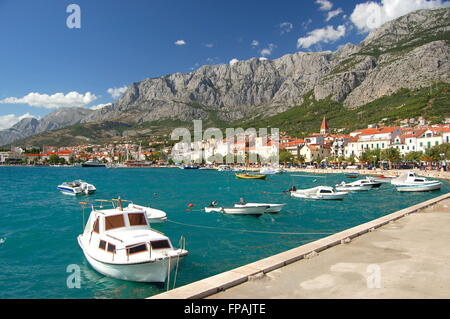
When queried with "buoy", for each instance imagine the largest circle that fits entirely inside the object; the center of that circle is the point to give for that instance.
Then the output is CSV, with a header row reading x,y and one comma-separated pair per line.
x,y
190,205
187,210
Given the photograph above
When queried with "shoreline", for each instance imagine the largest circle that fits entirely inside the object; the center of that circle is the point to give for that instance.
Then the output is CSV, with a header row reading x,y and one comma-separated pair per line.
x,y
426,173
251,273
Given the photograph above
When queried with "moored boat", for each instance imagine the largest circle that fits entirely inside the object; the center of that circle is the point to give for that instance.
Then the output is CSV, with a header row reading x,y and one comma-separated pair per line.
x,y
356,186
119,242
410,182
251,176
243,210
77,187
320,192
271,208
352,175
424,187
93,163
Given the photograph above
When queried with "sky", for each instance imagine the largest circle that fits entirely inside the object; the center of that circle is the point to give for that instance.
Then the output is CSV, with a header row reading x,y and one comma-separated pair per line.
x,y
84,53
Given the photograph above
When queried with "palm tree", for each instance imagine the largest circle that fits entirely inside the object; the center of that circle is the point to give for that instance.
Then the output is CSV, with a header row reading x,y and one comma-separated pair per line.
x,y
391,154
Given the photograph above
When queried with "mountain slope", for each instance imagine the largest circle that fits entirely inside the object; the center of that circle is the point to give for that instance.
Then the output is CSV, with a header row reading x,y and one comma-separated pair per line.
x,y
57,119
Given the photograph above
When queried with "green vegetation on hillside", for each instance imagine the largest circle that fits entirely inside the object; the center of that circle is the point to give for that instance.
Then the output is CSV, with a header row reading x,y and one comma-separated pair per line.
x,y
433,103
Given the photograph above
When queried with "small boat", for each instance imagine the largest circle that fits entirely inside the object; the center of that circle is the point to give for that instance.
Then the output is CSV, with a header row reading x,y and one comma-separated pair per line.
x,y
320,192
246,210
410,182
120,243
269,171
425,187
93,163
272,208
224,168
77,187
190,167
251,176
371,181
352,175
356,186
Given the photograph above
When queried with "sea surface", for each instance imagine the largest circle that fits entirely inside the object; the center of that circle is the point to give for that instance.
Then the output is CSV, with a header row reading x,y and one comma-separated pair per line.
x,y
39,225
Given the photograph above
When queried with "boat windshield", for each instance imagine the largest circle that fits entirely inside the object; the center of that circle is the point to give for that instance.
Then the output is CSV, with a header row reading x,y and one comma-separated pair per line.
x,y
116,221
137,219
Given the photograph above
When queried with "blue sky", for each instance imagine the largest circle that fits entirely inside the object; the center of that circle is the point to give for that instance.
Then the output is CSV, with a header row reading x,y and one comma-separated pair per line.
x,y
121,42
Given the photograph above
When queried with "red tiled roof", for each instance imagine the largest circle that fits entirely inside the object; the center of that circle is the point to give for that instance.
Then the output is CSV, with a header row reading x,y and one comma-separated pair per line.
x,y
378,130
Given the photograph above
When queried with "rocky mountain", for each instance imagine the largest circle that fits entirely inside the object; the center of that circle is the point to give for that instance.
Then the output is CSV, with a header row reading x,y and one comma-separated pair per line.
x,y
57,119
411,52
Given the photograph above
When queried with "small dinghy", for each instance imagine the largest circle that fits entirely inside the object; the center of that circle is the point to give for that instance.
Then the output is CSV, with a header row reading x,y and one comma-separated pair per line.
x,y
356,186
320,192
118,242
272,208
251,176
77,187
246,210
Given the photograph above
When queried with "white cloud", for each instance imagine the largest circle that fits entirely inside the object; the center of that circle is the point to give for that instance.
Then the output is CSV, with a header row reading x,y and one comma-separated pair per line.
x,y
117,92
233,61
263,59
328,34
370,15
180,42
268,51
71,99
325,5
255,43
6,121
332,14
286,27
99,106
209,45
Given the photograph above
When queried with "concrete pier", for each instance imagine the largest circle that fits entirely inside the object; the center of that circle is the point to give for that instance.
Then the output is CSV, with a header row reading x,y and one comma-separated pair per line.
x,y
402,255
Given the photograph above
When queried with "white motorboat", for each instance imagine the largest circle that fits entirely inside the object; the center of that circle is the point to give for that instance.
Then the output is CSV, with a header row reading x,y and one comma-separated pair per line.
x,y
270,171
120,243
424,187
271,208
77,187
410,182
224,168
320,192
357,186
245,210
381,179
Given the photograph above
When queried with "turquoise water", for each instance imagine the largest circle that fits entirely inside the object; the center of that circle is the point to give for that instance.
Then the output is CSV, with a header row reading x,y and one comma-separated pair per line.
x,y
39,225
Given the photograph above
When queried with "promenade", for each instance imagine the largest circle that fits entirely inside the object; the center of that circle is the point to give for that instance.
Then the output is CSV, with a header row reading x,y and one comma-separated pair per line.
x,y
402,255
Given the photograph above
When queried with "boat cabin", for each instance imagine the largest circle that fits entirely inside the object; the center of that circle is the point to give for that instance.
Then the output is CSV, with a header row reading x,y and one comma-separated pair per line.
x,y
125,234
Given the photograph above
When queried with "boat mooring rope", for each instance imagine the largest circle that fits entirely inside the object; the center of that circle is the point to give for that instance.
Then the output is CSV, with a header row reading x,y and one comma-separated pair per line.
x,y
245,230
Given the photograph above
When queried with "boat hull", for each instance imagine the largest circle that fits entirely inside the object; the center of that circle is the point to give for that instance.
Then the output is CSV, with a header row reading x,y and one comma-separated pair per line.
x,y
337,196
272,208
364,188
152,271
420,188
248,176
